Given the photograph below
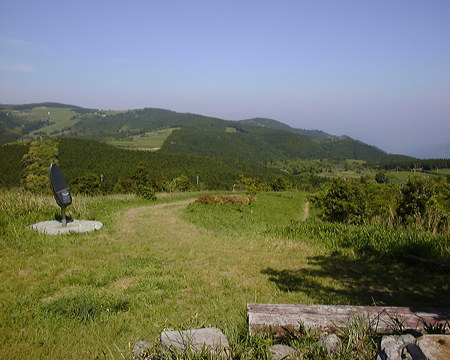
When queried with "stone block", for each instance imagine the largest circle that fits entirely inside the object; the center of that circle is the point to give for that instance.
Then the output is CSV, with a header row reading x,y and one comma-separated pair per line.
x,y
281,352
392,346
435,347
196,340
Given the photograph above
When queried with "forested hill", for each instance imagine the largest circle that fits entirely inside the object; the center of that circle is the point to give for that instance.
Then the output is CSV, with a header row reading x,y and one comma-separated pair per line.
x,y
80,158
277,125
46,105
257,140
265,145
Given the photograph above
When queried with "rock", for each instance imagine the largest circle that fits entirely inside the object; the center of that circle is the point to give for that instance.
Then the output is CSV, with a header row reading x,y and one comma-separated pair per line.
x,y
392,346
281,352
331,342
55,227
435,347
196,340
141,351
412,352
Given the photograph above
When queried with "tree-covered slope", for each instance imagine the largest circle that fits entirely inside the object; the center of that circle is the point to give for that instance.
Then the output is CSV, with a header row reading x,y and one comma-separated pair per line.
x,y
263,145
257,140
136,121
78,157
10,164
47,105
12,129
277,125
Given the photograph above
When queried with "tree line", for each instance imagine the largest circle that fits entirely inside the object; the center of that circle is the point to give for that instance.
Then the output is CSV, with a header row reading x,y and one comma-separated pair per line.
x,y
93,167
411,165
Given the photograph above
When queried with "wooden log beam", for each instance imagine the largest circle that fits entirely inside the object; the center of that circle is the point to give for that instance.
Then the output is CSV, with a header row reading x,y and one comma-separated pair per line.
x,y
414,260
280,317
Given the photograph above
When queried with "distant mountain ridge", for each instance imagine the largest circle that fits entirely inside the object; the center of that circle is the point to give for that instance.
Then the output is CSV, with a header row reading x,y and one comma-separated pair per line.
x,y
277,125
257,140
435,151
46,105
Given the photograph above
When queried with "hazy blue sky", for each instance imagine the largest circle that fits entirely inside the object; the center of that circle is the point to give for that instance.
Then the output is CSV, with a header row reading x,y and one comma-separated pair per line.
x,y
375,70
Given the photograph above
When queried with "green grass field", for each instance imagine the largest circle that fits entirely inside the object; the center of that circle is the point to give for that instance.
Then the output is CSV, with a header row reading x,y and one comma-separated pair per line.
x,y
174,265
63,118
395,176
60,117
150,140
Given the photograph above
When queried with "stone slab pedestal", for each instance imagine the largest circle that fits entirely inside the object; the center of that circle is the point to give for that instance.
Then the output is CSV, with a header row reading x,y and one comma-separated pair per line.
x,y
55,227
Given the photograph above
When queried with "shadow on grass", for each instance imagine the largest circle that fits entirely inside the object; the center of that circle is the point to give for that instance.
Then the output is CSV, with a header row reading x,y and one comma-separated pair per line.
x,y
341,279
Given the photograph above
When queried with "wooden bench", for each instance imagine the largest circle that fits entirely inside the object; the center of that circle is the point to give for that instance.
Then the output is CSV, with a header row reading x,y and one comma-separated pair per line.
x,y
279,318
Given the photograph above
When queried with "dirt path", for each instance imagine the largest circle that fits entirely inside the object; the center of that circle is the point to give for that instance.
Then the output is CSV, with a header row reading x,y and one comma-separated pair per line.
x,y
306,212
163,212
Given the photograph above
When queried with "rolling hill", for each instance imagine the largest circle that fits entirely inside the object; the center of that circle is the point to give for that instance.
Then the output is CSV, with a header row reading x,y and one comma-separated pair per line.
x,y
276,125
257,140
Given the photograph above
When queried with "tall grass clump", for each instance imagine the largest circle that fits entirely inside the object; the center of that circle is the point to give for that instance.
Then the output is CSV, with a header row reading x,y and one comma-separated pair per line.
x,y
19,209
233,214
367,240
421,204
86,306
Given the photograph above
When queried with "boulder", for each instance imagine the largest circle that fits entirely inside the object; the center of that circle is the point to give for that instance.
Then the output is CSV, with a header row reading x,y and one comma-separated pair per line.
x,y
392,346
435,347
141,351
331,342
196,340
281,352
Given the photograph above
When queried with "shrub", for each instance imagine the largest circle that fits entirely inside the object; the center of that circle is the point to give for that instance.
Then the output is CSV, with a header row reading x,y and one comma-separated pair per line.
x,y
145,192
144,187
221,200
181,183
126,186
343,201
88,184
424,205
280,184
416,197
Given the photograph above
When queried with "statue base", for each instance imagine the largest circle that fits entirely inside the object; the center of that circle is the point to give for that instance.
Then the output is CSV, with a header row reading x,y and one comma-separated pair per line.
x,y
56,227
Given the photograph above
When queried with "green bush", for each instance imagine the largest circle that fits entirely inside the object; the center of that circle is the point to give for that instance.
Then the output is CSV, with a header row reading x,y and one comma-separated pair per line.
x,y
181,183
343,201
142,178
88,184
145,192
416,197
280,184
420,204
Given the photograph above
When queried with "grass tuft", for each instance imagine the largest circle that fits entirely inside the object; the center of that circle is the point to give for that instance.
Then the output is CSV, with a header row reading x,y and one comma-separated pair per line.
x,y
86,306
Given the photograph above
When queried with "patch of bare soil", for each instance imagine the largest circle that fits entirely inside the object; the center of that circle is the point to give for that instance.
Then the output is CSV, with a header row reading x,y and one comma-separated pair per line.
x,y
132,215
123,283
306,212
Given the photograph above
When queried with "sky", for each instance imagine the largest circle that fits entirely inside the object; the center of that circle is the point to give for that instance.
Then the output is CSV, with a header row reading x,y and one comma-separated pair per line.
x,y
378,71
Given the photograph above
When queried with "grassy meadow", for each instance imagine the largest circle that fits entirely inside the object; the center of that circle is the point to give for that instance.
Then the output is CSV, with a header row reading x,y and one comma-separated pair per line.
x,y
175,264
149,140
59,118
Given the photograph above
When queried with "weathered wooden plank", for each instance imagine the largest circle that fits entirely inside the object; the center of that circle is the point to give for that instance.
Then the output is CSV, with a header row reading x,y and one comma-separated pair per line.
x,y
412,259
279,317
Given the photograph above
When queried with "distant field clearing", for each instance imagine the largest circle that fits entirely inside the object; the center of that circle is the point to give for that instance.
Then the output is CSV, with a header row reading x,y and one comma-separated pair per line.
x,y
147,141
